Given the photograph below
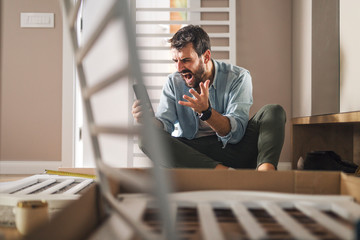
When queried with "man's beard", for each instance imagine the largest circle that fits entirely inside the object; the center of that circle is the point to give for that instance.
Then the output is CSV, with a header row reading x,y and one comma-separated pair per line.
x,y
197,76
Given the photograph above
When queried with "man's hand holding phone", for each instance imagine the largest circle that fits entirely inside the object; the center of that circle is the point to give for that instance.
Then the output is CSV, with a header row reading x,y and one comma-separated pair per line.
x,y
141,105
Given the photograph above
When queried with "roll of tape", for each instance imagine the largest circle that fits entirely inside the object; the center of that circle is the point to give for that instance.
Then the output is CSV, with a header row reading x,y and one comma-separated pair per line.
x,y
30,214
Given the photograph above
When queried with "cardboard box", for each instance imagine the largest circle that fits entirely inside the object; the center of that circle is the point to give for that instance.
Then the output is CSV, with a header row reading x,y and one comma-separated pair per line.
x,y
83,216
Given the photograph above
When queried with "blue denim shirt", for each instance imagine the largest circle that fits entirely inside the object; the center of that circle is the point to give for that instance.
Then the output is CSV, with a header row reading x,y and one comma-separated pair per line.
x,y
230,95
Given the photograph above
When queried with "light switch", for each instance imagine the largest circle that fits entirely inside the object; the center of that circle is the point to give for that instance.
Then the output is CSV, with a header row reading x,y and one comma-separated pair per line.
x,y
37,20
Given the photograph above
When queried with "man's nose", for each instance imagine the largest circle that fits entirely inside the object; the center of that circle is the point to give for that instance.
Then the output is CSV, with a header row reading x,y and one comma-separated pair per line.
x,y
179,66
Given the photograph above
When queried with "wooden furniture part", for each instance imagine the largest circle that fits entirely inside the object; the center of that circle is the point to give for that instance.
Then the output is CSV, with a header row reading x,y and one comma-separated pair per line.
x,y
128,72
208,204
58,191
216,215
334,132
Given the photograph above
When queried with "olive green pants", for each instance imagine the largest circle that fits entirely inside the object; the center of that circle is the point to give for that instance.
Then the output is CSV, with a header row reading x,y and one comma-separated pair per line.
x,y
262,143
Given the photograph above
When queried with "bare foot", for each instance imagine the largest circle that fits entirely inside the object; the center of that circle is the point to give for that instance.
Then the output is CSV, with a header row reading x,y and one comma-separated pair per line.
x,y
266,167
221,167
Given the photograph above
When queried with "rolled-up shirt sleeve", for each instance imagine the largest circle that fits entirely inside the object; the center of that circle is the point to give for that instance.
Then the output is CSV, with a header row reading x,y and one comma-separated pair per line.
x,y
238,107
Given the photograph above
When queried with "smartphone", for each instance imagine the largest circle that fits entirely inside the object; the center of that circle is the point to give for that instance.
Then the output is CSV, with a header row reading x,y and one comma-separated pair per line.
x,y
142,94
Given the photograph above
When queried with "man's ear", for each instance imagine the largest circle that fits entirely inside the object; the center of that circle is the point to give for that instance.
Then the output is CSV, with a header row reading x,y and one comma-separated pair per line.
x,y
207,56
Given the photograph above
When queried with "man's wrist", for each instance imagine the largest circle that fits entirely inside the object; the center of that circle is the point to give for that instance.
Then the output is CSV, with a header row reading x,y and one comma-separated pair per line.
x,y
205,115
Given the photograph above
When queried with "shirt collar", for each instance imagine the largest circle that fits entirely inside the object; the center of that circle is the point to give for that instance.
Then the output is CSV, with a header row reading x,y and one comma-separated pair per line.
x,y
216,66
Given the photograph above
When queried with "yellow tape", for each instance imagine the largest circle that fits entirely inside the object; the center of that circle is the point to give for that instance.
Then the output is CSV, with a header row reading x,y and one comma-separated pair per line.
x,y
61,173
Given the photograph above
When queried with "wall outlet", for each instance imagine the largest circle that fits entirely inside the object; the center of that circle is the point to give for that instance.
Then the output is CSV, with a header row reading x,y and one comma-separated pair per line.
x,y
37,20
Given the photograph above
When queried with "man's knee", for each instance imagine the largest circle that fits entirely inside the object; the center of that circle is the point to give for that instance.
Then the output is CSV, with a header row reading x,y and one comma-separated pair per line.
x,y
274,112
144,144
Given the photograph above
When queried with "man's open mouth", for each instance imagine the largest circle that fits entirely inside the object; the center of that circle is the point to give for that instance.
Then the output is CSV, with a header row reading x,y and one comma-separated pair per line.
x,y
187,76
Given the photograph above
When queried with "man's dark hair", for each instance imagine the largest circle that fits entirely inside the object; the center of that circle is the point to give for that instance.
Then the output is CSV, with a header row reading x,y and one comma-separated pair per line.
x,y
191,34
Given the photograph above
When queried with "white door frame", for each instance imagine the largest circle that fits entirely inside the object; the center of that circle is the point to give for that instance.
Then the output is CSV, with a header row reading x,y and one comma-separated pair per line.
x,y
68,103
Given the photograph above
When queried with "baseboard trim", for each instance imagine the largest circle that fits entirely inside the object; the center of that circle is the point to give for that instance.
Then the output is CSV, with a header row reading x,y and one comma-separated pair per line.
x,y
36,167
27,167
284,166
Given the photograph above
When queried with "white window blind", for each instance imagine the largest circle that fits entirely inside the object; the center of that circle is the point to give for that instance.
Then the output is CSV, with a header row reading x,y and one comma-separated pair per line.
x,y
156,22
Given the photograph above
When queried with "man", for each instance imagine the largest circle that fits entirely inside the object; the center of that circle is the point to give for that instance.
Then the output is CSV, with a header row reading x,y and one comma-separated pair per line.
x,y
210,102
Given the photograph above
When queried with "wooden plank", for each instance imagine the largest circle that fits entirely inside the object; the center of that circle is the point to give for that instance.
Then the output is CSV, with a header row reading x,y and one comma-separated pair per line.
x,y
112,228
292,226
12,187
74,13
350,117
129,210
57,187
106,82
173,213
136,209
118,130
78,187
36,187
333,226
209,226
248,222
348,210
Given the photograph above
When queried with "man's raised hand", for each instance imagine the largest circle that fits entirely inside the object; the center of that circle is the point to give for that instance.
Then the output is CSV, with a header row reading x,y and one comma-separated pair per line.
x,y
200,102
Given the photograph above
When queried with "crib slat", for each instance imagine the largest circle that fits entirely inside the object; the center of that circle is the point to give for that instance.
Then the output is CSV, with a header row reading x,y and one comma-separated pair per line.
x,y
78,187
115,227
348,210
338,229
293,227
137,208
23,184
97,129
209,226
248,222
106,82
173,212
57,187
36,187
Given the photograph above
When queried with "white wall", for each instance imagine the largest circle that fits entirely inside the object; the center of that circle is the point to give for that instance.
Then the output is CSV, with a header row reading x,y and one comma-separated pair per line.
x,y
349,55
346,83
264,48
301,65
31,74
